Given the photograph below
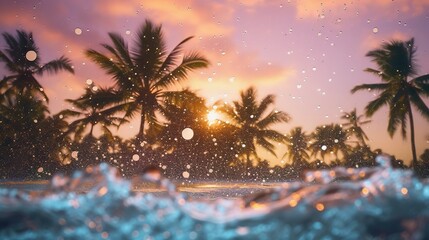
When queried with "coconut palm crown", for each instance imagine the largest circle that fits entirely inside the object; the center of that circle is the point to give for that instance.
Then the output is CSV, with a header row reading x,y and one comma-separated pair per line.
x,y
400,87
253,122
22,59
144,73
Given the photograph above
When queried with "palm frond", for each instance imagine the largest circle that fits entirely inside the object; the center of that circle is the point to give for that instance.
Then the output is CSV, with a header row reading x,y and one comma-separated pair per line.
x,y
12,67
418,102
377,103
149,51
70,113
121,49
273,118
421,79
266,145
397,115
57,65
372,86
263,106
110,67
172,59
190,62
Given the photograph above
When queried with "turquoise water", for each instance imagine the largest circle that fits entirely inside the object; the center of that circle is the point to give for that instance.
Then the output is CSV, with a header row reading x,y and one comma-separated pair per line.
x,y
373,203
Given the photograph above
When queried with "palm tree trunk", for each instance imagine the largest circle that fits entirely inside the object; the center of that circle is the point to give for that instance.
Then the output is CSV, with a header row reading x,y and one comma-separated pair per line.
x,y
363,141
140,135
91,130
413,141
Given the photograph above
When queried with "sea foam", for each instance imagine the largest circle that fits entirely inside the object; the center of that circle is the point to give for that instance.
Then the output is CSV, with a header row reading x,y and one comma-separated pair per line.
x,y
366,203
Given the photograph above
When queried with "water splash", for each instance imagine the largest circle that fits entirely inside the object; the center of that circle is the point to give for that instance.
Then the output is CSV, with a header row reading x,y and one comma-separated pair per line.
x,y
374,203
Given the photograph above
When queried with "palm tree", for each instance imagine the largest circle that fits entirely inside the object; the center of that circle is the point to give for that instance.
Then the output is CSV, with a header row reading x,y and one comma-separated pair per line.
x,y
183,109
297,144
400,87
354,123
253,123
143,75
21,120
329,138
21,57
93,106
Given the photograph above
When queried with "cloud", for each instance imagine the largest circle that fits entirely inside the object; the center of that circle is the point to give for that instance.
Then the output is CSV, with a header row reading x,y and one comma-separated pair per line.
x,y
313,9
201,18
374,41
233,68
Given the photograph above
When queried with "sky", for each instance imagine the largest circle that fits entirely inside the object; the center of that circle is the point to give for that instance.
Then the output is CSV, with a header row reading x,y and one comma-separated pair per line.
x,y
308,53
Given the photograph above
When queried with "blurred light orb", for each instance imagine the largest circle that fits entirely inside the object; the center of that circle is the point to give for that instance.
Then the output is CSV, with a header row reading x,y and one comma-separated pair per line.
x,y
74,154
31,55
78,31
188,133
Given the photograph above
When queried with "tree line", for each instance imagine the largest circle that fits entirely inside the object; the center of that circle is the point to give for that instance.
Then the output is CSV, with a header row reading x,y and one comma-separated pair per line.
x,y
35,143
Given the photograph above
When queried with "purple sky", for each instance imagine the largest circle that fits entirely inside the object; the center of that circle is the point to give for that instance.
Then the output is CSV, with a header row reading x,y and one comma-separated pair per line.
x,y
308,53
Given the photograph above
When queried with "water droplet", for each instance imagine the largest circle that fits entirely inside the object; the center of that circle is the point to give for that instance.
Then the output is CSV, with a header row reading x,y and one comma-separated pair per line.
x,y
74,154
136,157
89,81
185,174
375,30
188,133
320,207
31,55
128,32
299,86
40,169
324,147
78,31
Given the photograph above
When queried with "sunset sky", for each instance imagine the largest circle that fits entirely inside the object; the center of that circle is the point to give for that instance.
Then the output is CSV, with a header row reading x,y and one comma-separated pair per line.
x,y
310,54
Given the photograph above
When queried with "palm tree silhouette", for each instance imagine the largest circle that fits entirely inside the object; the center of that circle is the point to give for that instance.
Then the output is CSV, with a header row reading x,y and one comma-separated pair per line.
x,y
183,109
93,106
21,57
143,74
400,87
354,123
297,145
253,123
21,120
329,138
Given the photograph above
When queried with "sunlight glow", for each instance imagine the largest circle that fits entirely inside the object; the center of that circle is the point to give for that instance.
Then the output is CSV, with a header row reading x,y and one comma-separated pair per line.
x,y
212,117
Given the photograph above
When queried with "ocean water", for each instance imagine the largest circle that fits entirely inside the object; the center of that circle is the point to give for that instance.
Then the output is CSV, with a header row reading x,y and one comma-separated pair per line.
x,y
372,203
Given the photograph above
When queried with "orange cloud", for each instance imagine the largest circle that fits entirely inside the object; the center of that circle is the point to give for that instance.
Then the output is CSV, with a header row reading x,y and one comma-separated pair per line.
x,y
200,19
313,9
233,70
374,41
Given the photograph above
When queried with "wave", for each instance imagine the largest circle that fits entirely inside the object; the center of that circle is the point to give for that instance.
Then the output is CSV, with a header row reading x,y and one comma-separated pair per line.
x,y
366,203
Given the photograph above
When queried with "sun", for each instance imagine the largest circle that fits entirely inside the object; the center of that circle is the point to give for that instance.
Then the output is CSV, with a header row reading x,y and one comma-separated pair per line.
x,y
212,117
